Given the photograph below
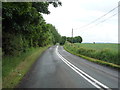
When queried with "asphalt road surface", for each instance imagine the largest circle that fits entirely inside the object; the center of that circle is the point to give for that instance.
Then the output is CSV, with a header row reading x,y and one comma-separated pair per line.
x,y
56,68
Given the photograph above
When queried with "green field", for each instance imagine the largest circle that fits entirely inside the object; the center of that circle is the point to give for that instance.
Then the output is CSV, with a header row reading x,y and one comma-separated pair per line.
x,y
101,51
99,46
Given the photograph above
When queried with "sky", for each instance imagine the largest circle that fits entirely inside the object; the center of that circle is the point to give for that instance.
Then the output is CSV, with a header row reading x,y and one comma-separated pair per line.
x,y
75,14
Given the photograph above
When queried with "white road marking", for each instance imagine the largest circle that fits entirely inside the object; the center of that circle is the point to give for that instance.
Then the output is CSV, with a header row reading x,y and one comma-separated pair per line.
x,y
90,79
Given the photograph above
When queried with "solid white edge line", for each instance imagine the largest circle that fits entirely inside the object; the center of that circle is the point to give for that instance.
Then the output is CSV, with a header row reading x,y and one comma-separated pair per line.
x,y
75,69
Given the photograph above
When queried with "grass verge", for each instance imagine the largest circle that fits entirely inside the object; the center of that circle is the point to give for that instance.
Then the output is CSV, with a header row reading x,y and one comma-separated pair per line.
x,y
13,77
93,60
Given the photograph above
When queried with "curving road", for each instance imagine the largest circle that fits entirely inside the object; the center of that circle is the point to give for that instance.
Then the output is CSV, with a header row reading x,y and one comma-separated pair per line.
x,y
56,68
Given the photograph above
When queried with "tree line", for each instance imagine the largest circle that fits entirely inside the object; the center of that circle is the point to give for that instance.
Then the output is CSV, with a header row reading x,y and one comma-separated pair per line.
x,y
77,39
23,26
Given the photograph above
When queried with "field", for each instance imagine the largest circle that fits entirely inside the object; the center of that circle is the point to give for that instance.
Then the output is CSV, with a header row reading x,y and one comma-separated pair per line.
x,y
99,46
101,51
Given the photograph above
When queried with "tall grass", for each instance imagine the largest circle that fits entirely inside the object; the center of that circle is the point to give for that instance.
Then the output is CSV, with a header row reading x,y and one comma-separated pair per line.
x,y
104,52
14,68
9,63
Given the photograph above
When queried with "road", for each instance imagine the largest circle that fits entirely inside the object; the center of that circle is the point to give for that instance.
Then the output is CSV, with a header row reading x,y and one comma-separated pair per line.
x,y
56,68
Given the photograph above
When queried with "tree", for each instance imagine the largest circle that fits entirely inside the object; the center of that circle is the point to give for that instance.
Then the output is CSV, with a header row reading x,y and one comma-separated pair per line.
x,y
69,39
63,40
24,27
77,39
56,37
43,6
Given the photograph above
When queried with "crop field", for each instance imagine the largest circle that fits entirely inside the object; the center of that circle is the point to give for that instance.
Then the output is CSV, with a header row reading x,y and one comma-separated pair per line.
x,y
103,51
99,46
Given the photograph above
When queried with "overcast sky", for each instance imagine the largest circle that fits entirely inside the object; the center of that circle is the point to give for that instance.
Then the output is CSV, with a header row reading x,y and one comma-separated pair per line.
x,y
77,13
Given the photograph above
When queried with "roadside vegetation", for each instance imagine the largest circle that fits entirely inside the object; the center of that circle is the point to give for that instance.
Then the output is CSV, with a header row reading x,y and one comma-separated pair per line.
x,y
9,63
25,35
23,27
77,39
106,54
14,68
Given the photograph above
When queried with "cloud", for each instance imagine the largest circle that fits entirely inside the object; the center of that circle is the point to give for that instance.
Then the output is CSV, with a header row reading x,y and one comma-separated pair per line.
x,y
74,14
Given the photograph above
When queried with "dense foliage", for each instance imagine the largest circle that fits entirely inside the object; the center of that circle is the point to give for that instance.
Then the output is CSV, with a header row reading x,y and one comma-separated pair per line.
x,y
24,26
63,40
76,39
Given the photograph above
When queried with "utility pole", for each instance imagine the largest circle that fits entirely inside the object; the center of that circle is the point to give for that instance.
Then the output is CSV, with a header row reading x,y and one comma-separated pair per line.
x,y
72,35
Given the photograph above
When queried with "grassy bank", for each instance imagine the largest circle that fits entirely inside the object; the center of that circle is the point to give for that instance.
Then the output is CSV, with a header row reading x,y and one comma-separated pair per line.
x,y
14,68
106,54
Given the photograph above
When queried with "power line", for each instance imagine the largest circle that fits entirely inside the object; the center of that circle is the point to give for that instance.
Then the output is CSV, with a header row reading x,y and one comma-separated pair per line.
x,y
102,21
99,18
108,18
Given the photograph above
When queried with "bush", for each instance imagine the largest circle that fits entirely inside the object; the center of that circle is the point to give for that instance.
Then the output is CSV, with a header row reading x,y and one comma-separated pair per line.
x,y
14,45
